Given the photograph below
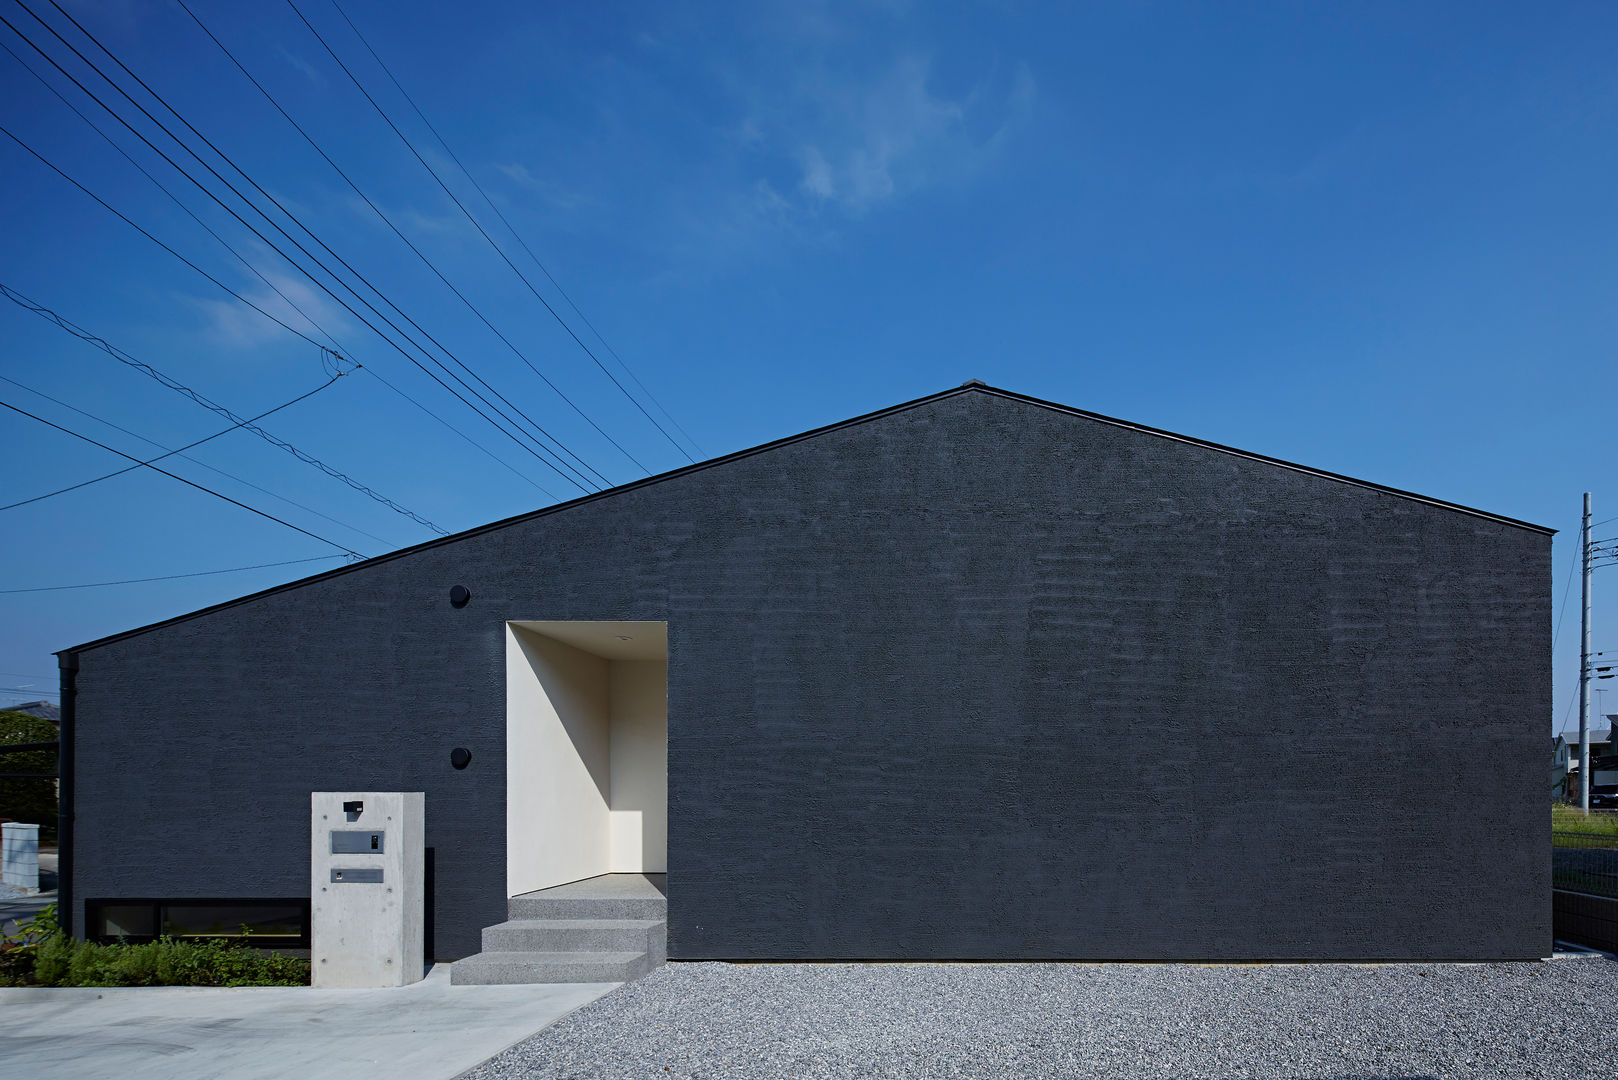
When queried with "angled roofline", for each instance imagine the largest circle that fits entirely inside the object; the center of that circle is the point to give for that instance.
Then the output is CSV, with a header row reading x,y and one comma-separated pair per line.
x,y
971,386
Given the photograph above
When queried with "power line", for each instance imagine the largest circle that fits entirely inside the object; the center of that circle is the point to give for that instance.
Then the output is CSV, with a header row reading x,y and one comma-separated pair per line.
x,y
278,291
52,166
183,480
278,228
173,198
172,577
171,453
204,464
1566,590
180,388
407,242
506,259
513,230
498,460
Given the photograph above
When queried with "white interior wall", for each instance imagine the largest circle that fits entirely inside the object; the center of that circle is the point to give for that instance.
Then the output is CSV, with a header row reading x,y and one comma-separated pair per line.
x,y
639,793
586,756
558,747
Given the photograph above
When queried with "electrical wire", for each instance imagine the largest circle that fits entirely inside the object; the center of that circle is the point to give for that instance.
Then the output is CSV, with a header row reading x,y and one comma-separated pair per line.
x,y
400,234
122,216
513,230
525,478
174,199
1566,591
288,300
204,464
178,387
183,480
293,304
277,227
504,257
588,485
273,224
172,577
169,454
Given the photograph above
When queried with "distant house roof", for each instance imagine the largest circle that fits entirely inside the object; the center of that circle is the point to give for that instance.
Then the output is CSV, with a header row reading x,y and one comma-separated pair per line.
x,y
45,710
1596,734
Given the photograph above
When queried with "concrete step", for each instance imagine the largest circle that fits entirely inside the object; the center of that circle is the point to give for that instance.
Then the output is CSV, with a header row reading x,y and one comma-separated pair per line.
x,y
502,968
572,935
611,896
540,906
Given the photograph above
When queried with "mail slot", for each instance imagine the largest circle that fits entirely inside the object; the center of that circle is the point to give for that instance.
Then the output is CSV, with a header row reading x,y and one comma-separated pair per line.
x,y
350,875
357,842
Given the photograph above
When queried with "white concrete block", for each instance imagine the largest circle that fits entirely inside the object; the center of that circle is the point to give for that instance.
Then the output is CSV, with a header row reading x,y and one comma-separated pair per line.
x,y
19,855
366,932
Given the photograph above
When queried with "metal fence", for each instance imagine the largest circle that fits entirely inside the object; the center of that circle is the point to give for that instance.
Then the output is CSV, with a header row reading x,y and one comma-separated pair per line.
x,y
1585,862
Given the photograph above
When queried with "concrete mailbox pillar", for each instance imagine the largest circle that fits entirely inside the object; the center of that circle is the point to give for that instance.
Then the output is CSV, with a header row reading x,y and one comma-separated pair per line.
x,y
366,893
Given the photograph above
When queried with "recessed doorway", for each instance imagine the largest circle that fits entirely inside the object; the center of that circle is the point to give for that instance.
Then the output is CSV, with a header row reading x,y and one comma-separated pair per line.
x,y
586,751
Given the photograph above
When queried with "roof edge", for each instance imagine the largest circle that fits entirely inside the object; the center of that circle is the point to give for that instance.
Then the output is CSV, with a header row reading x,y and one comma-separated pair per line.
x,y
1192,440
972,386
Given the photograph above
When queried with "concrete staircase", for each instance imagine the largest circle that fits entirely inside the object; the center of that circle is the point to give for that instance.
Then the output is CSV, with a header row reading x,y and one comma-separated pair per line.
x,y
612,928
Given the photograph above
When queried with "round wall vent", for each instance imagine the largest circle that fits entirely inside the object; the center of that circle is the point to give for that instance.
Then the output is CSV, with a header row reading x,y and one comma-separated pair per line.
x,y
460,596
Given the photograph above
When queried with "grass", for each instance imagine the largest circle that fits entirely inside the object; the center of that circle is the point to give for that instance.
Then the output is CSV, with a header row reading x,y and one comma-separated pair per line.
x,y
1566,818
39,954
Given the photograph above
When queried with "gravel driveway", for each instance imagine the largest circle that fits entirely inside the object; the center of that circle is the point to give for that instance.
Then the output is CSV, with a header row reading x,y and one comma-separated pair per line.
x,y
1324,1022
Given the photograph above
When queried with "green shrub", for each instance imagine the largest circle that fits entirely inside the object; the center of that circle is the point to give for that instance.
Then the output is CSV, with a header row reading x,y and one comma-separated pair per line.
x,y
41,955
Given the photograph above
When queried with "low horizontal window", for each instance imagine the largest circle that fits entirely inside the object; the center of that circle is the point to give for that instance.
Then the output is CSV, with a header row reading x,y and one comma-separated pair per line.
x,y
272,923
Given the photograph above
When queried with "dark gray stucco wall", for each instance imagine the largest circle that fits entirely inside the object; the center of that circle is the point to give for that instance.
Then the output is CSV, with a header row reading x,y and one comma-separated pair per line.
x,y
910,660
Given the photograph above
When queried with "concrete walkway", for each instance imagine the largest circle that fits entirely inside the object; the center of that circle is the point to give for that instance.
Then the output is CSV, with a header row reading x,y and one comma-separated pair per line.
x,y
427,1031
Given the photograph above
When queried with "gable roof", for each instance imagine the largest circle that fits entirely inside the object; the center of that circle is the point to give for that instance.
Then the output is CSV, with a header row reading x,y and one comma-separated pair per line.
x,y
971,386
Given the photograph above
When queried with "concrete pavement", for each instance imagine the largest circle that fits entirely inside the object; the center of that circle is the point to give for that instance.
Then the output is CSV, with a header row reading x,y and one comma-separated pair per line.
x,y
428,1030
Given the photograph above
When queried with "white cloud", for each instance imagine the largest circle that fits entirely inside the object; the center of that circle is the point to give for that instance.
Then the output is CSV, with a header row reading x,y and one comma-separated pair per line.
x,y
830,141
556,196
863,142
233,324
817,178
302,66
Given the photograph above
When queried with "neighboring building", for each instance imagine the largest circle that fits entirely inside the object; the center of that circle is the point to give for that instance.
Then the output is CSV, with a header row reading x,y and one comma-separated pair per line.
x,y
1562,765
1603,748
859,692
45,710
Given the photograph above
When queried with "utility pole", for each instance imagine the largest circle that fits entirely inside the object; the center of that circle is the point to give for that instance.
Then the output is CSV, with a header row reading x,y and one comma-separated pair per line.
x,y
1584,660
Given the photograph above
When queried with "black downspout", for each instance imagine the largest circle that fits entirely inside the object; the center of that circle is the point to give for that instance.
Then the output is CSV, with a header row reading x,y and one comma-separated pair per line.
x,y
68,664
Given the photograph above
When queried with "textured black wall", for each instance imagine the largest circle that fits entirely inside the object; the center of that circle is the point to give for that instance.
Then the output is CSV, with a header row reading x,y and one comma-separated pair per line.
x,y
912,661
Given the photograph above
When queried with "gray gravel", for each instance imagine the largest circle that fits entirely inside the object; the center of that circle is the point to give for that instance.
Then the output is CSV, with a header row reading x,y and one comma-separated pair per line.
x,y
1323,1022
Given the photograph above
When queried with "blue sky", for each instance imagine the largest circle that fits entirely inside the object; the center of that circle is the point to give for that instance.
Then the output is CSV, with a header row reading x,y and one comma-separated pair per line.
x,y
1373,238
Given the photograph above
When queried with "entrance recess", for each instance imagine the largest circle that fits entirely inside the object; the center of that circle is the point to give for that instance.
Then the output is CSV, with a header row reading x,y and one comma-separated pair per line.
x,y
586,751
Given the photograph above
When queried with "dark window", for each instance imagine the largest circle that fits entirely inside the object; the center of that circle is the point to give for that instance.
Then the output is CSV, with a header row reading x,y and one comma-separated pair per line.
x,y
272,923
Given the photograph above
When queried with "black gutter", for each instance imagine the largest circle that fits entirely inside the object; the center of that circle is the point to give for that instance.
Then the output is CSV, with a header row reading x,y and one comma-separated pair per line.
x,y
68,663
971,387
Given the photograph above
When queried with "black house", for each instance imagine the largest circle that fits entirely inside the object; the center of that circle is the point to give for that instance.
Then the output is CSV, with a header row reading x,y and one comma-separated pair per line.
x,y
863,693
